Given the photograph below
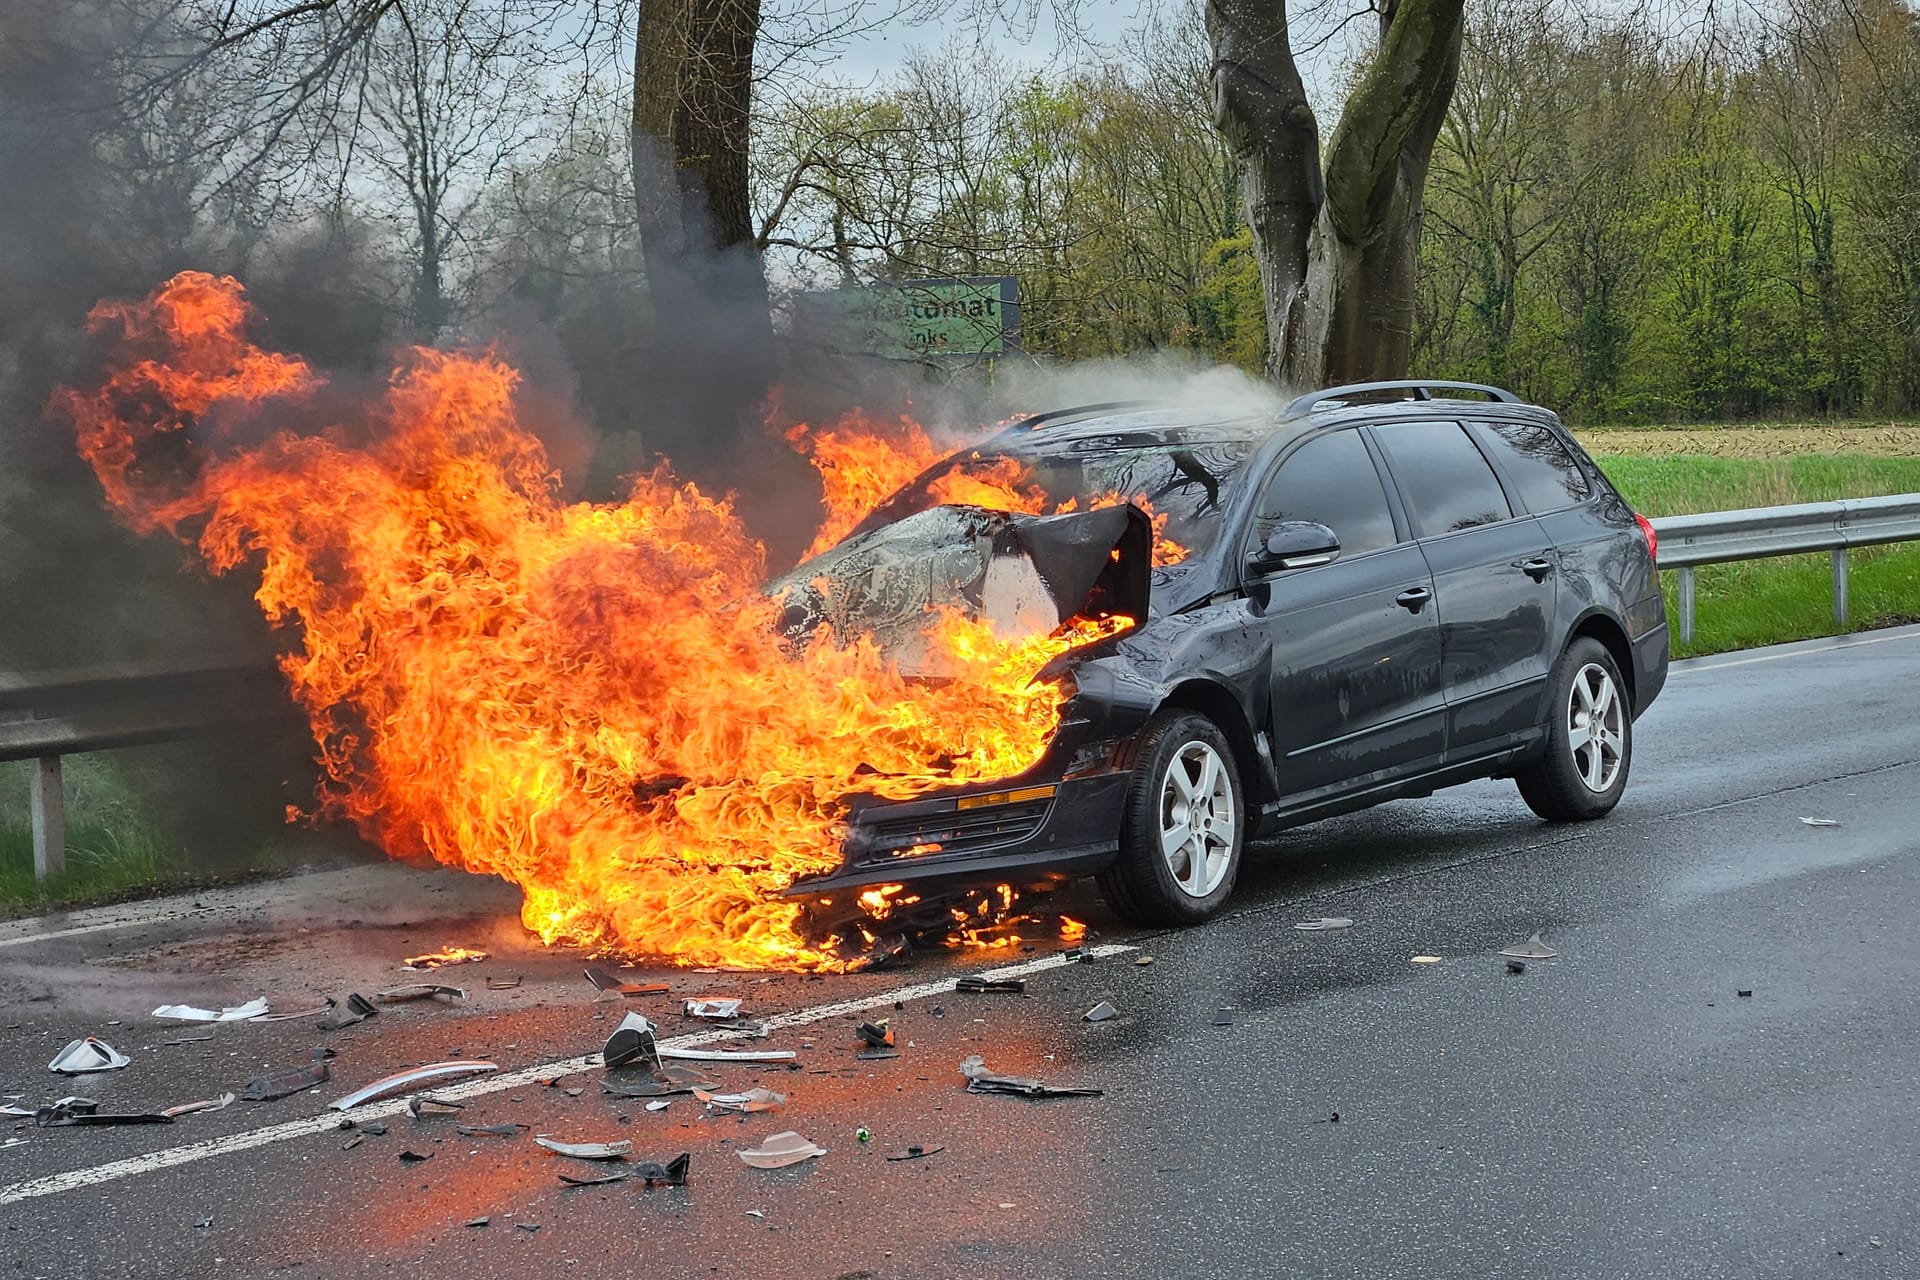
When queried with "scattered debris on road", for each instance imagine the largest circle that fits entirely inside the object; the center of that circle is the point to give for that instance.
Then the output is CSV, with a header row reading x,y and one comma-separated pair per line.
x,y
421,1105
234,1013
415,1157
917,1152
604,981
298,1013
780,1150
752,1100
503,984
671,1174
207,1221
406,1079
982,986
660,1104
631,1041
1223,1017
355,1008
1821,822
1532,949
86,1111
981,1080
86,1055
876,1035
592,1179
267,1088
491,1130
1516,966
587,1150
1141,962
1432,959
1102,1012
220,1103
179,1040
725,1055
1744,995
419,991
715,1010
1324,923
662,1082
480,1221
444,957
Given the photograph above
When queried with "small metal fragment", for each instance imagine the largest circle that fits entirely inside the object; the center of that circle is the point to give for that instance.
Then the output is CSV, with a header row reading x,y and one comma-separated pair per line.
x,y
353,1142
713,1009
1102,1012
480,1221
980,1080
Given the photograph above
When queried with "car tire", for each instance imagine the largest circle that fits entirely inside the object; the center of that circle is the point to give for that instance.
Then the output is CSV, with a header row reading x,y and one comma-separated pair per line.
x,y
1185,797
1581,774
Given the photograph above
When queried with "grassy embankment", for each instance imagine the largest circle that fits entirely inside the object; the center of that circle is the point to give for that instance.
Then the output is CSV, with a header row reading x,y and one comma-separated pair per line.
x,y
1759,602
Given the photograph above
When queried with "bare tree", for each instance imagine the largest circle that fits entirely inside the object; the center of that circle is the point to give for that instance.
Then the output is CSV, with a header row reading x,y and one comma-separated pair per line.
x,y
1336,248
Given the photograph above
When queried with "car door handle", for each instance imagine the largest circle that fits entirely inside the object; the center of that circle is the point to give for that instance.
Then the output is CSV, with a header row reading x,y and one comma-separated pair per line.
x,y
1537,568
1413,599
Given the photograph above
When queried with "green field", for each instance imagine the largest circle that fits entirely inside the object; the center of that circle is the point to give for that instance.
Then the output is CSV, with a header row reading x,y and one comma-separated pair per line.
x,y
1738,606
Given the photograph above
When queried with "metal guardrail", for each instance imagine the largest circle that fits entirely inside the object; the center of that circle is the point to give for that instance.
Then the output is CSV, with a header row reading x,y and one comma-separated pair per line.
x,y
1753,533
52,714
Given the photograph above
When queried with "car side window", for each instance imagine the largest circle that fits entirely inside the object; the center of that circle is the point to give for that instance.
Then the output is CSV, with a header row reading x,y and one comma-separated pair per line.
x,y
1539,466
1330,481
1446,483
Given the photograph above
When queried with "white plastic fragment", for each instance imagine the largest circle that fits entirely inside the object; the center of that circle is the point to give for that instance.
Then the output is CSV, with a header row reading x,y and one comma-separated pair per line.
x,y
406,1079
1821,822
780,1150
721,1055
1532,949
587,1150
220,1103
744,1103
717,1009
660,1104
233,1013
88,1054
1323,923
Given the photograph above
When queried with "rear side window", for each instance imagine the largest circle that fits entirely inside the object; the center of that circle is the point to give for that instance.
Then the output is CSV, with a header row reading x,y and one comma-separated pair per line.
x,y
1331,481
1538,465
1445,481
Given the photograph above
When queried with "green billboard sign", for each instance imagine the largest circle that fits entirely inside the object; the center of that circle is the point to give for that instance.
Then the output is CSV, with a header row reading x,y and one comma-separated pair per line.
x,y
973,318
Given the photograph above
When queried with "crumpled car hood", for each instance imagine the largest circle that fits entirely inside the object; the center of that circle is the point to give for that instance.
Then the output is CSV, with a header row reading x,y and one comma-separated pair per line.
x,y
1024,574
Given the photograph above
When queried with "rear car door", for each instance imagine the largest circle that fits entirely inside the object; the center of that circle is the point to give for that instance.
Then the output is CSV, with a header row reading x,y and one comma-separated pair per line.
x,y
1356,648
1494,582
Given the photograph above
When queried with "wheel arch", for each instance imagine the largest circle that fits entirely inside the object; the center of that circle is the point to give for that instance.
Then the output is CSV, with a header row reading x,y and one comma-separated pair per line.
x,y
1217,703
1606,629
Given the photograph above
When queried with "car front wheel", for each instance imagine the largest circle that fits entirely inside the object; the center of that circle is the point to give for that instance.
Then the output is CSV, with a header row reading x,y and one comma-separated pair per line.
x,y
1589,744
1184,825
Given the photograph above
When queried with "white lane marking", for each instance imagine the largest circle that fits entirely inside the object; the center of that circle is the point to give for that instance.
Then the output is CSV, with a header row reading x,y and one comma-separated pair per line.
x,y
171,1157
1854,641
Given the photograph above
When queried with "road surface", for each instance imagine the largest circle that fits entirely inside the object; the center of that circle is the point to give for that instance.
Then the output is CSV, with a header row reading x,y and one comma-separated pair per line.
x,y
1625,1109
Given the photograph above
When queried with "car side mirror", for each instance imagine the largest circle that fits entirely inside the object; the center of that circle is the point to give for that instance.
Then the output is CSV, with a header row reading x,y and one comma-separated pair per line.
x,y
1295,544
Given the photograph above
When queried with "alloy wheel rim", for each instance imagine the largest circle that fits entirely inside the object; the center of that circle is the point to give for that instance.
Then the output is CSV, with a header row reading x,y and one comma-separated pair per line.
x,y
1596,728
1196,819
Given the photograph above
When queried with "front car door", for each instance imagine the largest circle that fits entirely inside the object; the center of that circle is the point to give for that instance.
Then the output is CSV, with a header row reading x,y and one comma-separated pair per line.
x,y
1493,582
1355,644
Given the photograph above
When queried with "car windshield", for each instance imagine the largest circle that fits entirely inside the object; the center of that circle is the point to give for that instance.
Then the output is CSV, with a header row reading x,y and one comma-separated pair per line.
x,y
1181,483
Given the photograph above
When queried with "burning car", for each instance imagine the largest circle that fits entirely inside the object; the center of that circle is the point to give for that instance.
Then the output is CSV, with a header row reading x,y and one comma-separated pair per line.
x,y
1374,593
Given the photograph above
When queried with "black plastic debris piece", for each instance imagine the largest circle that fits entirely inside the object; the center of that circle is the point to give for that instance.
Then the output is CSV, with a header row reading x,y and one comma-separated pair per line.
x,y
594,1179
419,991
527,1226
374,1130
917,1152
1079,955
978,985
604,981
671,1174
503,984
86,1111
421,1105
1102,1012
355,1008
1744,994
491,1130
1223,1017
266,1088
876,1055
980,1080
877,1034
631,1041
415,1157
939,1011
177,1040
663,1082
480,1221
1516,966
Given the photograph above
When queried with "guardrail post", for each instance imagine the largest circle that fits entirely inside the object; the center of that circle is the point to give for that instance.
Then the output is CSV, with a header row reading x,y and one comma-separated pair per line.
x,y
1686,604
1840,586
49,818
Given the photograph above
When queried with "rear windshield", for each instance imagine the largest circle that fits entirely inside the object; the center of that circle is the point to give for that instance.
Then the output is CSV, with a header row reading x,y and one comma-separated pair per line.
x,y
1183,485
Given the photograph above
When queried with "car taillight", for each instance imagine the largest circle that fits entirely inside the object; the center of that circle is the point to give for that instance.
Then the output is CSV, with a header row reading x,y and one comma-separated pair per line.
x,y
1653,538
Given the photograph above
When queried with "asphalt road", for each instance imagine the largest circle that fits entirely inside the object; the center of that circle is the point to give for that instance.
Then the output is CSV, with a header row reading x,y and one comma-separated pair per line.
x,y
1621,1110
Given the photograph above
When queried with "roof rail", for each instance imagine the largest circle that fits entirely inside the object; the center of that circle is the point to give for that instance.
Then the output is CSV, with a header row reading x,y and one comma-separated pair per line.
x,y
1041,419
1422,389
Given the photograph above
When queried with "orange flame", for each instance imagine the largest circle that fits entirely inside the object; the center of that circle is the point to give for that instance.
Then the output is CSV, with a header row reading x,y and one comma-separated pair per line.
x,y
589,700
863,462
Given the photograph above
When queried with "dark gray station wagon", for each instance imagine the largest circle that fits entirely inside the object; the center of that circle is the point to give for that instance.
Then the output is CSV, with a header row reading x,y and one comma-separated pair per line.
x,y
1385,589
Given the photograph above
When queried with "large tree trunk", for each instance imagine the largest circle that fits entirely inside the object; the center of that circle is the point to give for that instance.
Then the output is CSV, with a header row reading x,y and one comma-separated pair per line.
x,y
692,89
1336,255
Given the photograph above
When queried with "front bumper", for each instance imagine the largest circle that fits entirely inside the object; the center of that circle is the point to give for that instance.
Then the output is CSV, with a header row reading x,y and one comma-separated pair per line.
x,y
1073,832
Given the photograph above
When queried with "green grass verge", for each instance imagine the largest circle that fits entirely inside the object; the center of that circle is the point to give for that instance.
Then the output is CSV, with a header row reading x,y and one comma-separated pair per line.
x,y
1760,602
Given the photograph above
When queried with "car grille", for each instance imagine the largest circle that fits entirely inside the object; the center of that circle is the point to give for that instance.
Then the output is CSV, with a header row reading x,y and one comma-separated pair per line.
x,y
961,831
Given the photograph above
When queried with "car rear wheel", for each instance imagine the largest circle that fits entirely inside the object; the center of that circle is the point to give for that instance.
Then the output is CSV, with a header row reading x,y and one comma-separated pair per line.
x,y
1183,829
1583,771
